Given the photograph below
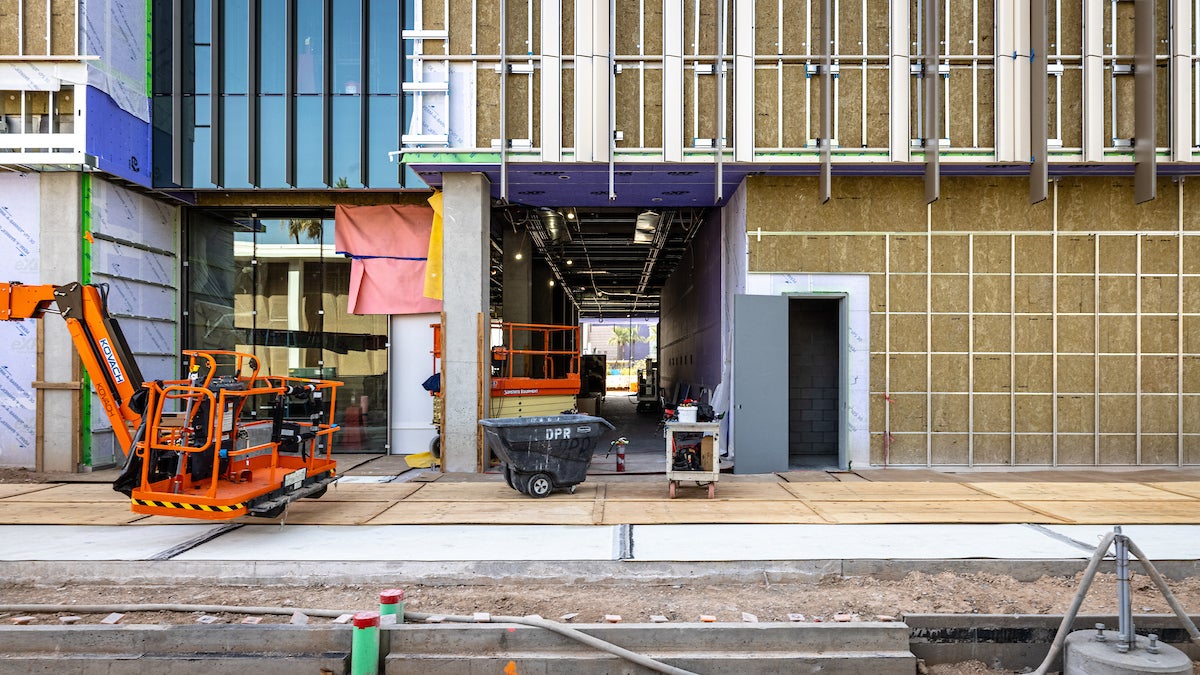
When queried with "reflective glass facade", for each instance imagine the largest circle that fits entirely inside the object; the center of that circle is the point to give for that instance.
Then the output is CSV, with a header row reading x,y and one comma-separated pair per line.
x,y
280,93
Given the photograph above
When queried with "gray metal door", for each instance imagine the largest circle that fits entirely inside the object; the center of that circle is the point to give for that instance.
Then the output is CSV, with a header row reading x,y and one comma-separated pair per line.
x,y
760,383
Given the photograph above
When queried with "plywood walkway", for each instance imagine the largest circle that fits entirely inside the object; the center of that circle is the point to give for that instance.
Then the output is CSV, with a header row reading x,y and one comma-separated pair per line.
x,y
860,498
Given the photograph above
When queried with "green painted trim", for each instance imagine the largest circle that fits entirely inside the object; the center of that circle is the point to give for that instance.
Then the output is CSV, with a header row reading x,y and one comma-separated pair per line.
x,y
85,248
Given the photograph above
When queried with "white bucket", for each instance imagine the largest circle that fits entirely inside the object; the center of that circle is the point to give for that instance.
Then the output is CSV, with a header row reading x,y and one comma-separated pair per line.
x,y
687,414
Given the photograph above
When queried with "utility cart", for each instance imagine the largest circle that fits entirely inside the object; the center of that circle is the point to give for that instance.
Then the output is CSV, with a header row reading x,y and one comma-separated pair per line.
x,y
692,455
542,454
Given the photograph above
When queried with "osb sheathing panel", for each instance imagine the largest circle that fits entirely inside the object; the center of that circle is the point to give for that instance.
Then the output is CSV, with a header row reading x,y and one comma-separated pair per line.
x,y
908,372
1076,373
857,204
879,379
950,293
9,27
1076,254
992,333
908,413
1035,254
992,254
706,102
1118,334
950,412
487,106
62,26
963,16
1076,414
1071,132
1032,294
850,109
1160,294
908,450
1035,414
517,100
993,373
1034,449
517,39
992,449
35,27
1076,449
1160,449
1191,385
993,413
1160,255
487,27
1033,373
1160,414
950,333
908,253
1117,374
1076,334
1076,294
948,372
950,449
951,253
1118,254
1191,334
1118,294
1159,374
878,107
1106,204
766,108
1191,450
1069,15
993,203
1033,333
653,109
907,293
567,122
796,133
1118,449
993,293
627,35
1160,334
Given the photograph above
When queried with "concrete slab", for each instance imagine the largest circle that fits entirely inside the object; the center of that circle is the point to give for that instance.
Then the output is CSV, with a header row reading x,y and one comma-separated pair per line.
x,y
1160,542
411,543
93,542
825,542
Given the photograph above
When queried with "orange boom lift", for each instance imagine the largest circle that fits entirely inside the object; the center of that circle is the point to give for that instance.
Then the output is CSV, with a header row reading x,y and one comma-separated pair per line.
x,y
188,452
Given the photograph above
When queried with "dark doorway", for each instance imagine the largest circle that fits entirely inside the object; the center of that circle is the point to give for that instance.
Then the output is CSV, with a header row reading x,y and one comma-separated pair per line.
x,y
814,365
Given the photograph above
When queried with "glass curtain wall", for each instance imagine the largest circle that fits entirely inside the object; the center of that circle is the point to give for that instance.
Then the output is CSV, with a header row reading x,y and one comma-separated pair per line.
x,y
276,289
281,93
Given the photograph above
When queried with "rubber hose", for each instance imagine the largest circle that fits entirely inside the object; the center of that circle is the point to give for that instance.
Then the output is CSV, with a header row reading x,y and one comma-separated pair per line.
x,y
1162,587
574,634
1065,627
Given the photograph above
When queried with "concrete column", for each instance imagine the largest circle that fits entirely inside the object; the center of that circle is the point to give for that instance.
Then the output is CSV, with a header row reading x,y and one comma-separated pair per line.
x,y
60,260
467,201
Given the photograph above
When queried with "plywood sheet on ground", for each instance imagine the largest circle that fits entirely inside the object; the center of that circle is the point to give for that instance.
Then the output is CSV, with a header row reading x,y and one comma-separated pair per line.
x,y
322,512
870,491
73,492
807,477
389,465
46,513
1075,491
1190,489
13,489
725,490
370,492
699,509
566,510
907,476
474,492
991,511
1121,512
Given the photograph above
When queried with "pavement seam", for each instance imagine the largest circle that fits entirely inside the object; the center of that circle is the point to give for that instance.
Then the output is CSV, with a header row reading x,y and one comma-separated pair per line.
x,y
188,545
1042,529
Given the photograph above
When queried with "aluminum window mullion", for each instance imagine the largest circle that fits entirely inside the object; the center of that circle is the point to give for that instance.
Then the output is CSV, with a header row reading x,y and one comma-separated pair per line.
x,y
290,94
932,130
217,89
327,94
364,78
177,59
254,166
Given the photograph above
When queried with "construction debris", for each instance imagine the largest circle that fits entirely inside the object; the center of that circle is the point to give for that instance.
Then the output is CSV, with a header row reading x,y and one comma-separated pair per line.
x,y
113,618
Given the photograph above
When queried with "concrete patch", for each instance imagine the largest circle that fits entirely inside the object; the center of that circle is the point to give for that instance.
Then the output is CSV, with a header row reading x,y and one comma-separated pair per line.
x,y
92,542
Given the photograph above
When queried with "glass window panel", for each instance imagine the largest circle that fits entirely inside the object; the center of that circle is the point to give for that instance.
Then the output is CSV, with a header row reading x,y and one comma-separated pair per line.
x,y
236,140
309,142
203,21
347,46
203,110
203,70
272,45
384,137
210,284
347,169
384,43
201,158
310,47
235,46
272,142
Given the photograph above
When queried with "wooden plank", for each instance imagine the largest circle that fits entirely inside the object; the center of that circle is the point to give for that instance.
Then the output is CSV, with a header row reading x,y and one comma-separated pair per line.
x,y
807,477
908,475
38,513
73,492
321,512
866,491
929,512
490,492
1191,489
726,489
370,492
598,504
1122,512
553,510
693,506
12,489
1097,492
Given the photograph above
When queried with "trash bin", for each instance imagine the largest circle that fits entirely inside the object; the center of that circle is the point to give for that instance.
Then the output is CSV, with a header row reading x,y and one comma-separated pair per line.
x,y
541,454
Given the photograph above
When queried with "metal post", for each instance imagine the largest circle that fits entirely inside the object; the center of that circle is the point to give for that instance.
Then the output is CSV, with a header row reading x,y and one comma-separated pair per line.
x,y
1125,632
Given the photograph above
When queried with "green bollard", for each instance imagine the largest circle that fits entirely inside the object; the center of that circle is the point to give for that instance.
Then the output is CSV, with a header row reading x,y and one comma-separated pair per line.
x,y
364,652
391,602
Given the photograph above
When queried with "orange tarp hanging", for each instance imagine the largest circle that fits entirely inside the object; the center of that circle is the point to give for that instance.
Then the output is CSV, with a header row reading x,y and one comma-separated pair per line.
x,y
389,246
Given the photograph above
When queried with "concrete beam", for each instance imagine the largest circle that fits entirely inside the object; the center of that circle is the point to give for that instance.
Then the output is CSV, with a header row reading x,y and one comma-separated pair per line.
x,y
466,234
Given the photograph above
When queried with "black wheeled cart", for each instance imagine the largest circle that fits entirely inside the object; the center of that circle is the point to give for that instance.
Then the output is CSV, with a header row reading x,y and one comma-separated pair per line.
x,y
542,454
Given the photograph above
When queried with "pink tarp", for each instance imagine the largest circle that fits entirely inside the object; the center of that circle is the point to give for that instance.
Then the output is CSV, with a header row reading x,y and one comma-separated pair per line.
x,y
389,245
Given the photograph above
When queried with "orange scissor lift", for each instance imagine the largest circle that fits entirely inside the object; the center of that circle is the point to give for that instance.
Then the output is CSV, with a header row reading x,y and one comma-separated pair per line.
x,y
189,451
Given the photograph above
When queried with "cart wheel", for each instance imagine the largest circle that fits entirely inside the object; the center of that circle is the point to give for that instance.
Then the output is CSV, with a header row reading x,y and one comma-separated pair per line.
x,y
539,485
572,489
712,490
671,489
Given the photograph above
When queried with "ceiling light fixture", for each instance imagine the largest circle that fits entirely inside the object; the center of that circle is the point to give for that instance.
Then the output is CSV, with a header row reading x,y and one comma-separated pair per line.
x,y
518,255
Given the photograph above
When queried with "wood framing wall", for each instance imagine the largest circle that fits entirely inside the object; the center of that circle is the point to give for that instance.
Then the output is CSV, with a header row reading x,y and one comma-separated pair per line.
x,y
1065,333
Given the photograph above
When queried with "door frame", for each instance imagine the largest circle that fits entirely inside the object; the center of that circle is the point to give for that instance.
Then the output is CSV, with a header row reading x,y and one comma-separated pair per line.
x,y
843,359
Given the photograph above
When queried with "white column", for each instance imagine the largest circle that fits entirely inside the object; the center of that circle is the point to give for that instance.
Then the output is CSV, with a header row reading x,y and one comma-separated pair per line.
x,y
672,100
467,221
743,81
295,304
1019,112
602,64
899,135
1181,81
551,82
585,104
1093,81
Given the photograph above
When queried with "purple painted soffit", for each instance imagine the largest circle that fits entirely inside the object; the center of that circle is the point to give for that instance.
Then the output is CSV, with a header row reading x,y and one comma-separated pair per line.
x,y
694,185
